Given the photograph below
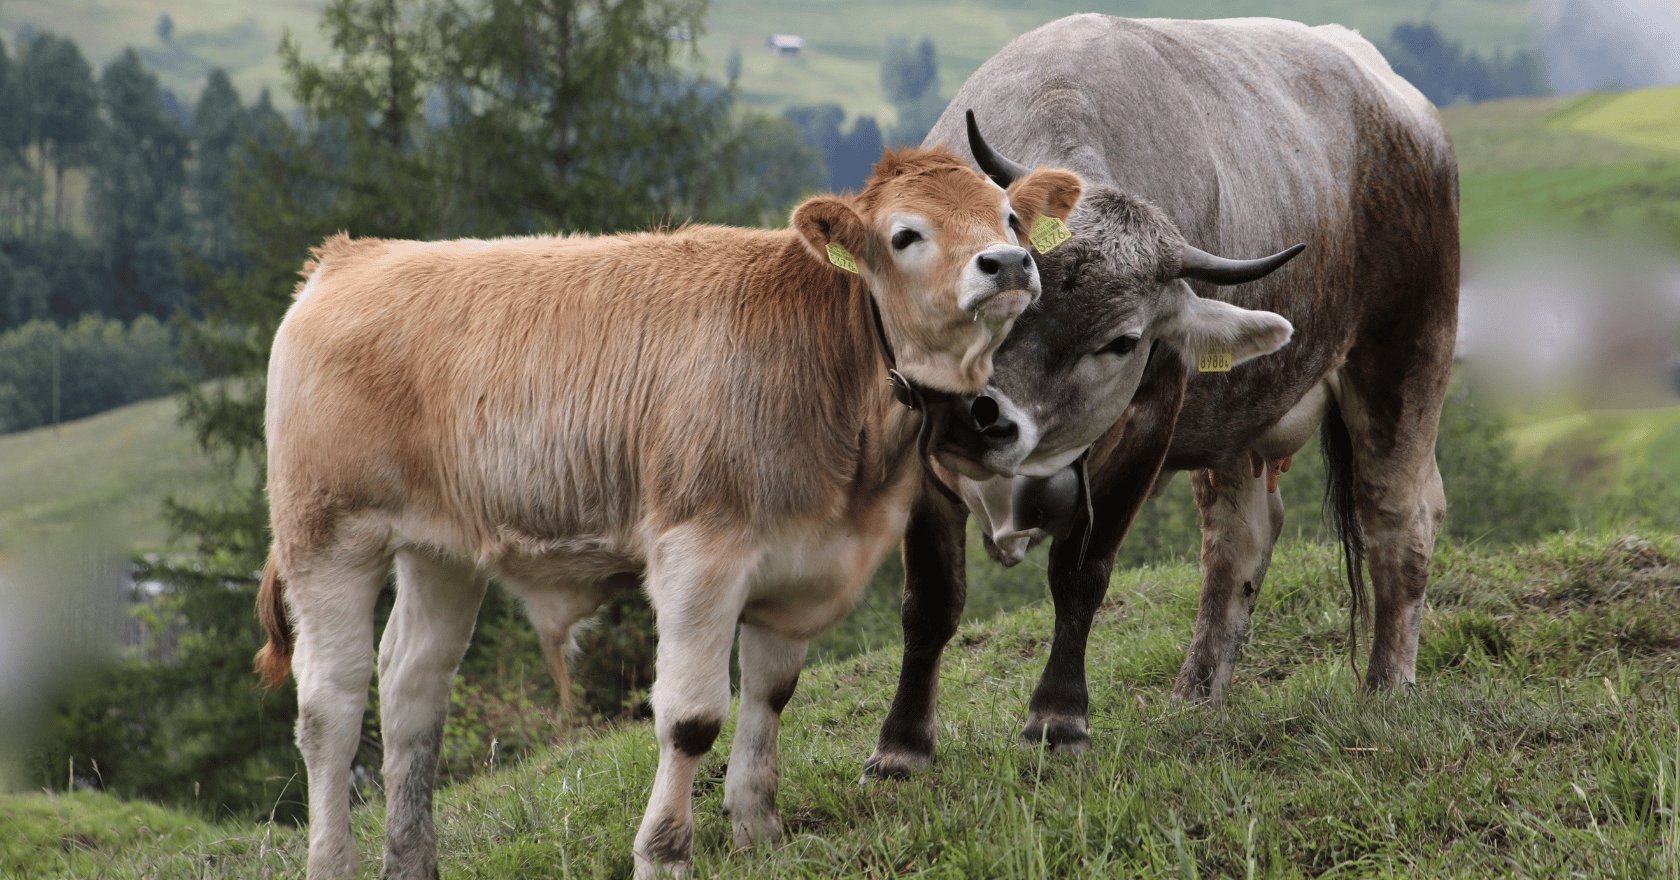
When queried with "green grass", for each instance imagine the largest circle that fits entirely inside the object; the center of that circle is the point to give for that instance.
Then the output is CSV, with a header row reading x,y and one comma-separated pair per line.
x,y
1543,740
1604,448
1646,119
101,478
1604,161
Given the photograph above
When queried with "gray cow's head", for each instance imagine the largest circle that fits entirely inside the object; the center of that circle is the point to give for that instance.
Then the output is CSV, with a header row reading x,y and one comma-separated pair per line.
x,y
1113,294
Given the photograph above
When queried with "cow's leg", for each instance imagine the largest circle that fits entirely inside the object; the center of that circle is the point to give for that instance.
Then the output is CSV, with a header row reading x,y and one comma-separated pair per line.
x,y
770,665
1241,521
935,588
1121,479
430,626
331,595
1400,550
698,589
1387,413
1058,713
1399,503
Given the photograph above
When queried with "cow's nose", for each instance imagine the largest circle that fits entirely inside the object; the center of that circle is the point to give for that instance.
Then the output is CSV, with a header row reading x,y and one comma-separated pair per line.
x,y
990,420
997,259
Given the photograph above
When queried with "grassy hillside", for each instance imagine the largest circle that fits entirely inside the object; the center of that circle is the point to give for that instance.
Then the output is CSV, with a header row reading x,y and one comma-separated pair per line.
x,y
1609,160
1602,449
844,38
102,477
843,49
1543,740
238,37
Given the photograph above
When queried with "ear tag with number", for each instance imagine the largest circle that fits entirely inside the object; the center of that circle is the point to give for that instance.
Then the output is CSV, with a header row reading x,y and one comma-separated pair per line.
x,y
839,256
1213,362
1048,231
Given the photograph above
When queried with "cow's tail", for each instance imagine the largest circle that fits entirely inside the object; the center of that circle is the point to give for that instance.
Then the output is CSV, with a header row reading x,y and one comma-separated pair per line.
x,y
1337,445
274,660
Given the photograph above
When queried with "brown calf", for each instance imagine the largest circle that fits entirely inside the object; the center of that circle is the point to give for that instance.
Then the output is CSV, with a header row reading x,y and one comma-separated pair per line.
x,y
703,412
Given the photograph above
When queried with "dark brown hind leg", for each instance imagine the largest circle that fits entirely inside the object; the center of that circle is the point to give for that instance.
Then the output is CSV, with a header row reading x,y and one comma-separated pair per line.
x,y
1397,498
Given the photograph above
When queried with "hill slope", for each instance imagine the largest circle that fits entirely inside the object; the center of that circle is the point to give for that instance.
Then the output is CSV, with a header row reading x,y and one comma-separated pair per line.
x,y
1544,739
103,477
844,38
1611,160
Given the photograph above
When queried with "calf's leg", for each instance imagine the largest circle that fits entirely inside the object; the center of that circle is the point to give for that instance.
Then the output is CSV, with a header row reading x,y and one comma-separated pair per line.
x,y
430,626
770,665
698,589
331,595
1241,521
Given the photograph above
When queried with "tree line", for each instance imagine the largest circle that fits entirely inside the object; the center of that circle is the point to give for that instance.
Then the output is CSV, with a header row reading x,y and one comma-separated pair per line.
x,y
1447,73
107,182
115,203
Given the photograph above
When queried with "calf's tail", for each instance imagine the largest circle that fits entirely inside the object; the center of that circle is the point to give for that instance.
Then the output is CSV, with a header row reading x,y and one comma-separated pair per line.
x,y
274,660
1337,446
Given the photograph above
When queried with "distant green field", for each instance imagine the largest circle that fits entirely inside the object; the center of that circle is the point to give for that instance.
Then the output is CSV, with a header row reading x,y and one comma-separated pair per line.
x,y
844,38
1600,449
241,36
1610,161
102,477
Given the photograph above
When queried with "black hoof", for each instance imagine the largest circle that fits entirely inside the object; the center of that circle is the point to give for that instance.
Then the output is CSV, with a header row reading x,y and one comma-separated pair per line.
x,y
894,765
1063,735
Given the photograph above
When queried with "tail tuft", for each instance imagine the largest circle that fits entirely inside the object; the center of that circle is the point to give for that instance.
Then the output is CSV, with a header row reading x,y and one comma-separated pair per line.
x,y
1337,446
274,660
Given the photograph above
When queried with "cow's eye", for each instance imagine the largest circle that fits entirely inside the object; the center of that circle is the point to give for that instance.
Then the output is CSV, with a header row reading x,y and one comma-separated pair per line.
x,y
1121,345
905,238
1015,223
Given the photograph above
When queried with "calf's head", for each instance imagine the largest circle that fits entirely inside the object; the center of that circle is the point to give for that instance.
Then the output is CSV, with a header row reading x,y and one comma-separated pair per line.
x,y
1115,295
939,247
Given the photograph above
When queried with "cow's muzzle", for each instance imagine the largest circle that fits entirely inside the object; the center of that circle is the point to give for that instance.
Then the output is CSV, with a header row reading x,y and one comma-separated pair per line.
x,y
1002,283
979,437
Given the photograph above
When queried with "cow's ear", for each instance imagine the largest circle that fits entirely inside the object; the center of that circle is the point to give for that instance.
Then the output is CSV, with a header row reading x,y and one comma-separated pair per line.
x,y
824,220
1046,191
1206,330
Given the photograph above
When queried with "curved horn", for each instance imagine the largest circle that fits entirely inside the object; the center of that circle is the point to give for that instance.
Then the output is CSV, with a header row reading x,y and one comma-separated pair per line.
x,y
1203,266
1002,170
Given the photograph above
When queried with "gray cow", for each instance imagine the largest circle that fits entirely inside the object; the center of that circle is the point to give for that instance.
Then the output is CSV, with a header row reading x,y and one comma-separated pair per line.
x,y
1240,136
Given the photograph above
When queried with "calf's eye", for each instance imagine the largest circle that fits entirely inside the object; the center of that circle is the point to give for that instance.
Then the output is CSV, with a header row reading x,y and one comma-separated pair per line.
x,y
904,238
1121,345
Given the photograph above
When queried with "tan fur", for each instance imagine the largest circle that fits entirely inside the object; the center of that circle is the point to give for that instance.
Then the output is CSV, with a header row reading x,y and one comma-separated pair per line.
x,y
562,396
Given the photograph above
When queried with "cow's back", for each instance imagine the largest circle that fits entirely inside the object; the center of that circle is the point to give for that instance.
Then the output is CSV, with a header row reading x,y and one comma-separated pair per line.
x,y
1252,134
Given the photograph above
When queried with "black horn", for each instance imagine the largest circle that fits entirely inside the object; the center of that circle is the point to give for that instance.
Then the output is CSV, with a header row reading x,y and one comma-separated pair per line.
x,y
1203,266
1001,169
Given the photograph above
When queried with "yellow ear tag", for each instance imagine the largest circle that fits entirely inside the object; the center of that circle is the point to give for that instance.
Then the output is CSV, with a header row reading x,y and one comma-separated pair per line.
x,y
1213,362
1048,231
839,256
